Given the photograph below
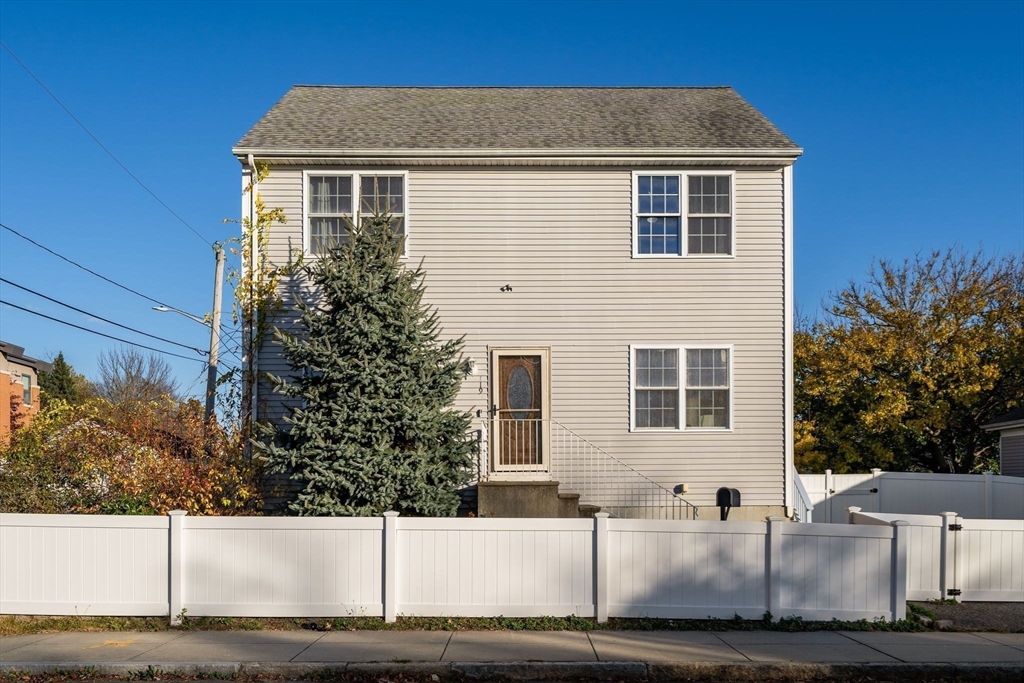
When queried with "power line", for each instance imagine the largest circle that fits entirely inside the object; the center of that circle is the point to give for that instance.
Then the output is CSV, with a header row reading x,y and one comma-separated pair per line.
x,y
79,265
97,141
101,334
101,318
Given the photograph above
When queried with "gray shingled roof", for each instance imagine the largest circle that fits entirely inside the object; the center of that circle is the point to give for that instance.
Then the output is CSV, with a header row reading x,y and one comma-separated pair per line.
x,y
319,119
1015,415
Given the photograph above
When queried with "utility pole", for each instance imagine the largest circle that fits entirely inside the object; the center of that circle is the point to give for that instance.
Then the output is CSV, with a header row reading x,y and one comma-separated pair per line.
x,y
211,375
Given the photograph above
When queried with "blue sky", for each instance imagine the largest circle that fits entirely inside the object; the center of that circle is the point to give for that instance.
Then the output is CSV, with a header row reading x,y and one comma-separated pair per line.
x,y
911,116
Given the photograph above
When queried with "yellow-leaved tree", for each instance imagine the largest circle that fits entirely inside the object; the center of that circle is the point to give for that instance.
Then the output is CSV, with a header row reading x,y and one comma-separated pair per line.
x,y
904,368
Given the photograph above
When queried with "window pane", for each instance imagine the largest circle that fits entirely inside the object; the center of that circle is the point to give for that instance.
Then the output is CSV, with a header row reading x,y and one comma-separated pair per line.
x,y
382,194
657,367
707,408
658,234
330,194
657,409
709,195
707,368
709,235
326,233
658,194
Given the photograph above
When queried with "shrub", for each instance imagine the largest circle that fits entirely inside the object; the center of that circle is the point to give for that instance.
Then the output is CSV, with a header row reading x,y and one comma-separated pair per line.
x,y
127,458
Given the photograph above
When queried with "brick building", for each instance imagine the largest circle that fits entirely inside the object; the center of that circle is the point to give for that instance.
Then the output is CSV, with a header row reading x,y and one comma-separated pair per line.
x,y
19,387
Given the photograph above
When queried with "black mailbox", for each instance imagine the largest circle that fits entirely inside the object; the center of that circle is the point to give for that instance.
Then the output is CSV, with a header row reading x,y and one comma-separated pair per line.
x,y
727,498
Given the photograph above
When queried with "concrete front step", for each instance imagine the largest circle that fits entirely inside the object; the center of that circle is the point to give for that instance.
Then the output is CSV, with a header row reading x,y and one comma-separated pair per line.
x,y
529,499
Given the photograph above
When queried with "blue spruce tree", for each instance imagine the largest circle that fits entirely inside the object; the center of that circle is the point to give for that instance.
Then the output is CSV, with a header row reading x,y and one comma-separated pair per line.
x,y
376,430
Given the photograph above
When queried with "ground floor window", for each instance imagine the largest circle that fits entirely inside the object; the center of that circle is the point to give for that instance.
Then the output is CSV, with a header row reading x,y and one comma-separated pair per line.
x,y
681,387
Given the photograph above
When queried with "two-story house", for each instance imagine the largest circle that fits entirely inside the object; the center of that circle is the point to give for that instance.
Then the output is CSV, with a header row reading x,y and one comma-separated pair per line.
x,y
619,261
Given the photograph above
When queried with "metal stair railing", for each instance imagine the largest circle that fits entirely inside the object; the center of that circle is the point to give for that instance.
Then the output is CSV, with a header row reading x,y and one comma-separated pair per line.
x,y
582,467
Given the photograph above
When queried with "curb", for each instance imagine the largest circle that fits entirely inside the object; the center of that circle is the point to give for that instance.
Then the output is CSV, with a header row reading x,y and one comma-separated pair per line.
x,y
641,672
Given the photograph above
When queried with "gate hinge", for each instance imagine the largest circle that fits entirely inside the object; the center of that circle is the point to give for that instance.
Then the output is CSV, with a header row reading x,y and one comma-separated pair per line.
x,y
956,527
952,591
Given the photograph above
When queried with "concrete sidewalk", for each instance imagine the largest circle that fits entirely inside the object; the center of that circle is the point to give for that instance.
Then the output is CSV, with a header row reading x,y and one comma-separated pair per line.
x,y
623,655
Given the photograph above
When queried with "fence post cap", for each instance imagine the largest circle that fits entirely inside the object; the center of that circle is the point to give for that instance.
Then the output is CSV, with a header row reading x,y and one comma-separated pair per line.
x,y
177,513
899,522
948,514
391,513
853,508
876,471
601,515
776,518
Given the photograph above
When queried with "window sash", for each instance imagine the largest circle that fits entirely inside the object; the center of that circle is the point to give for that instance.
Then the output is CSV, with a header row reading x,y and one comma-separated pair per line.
x,y
655,212
26,390
708,397
709,232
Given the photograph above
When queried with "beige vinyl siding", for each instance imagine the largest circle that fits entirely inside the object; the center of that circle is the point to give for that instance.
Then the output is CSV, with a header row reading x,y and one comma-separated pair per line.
x,y
563,240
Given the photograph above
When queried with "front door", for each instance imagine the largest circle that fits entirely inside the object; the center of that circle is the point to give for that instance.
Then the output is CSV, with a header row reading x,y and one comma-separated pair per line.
x,y
520,379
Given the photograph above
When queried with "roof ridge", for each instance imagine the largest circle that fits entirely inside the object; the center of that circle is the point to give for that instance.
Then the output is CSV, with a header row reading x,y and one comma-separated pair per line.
x,y
514,87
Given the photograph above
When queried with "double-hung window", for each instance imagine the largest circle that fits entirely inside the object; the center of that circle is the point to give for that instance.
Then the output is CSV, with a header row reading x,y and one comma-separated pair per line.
x,y
665,202
335,201
26,390
681,388
709,215
707,388
657,215
329,211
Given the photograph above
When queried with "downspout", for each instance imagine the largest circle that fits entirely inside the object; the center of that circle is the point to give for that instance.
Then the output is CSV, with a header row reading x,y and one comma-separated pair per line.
x,y
788,416
253,270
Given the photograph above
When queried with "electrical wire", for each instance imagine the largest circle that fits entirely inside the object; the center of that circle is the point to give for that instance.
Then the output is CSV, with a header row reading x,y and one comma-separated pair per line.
x,y
102,146
101,318
101,334
91,272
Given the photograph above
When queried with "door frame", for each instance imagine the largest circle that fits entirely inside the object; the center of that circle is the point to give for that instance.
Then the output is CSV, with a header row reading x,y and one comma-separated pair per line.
x,y
544,352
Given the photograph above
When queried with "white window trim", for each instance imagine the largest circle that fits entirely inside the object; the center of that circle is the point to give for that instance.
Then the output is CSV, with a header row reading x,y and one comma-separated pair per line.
x,y
23,388
355,174
684,208
681,349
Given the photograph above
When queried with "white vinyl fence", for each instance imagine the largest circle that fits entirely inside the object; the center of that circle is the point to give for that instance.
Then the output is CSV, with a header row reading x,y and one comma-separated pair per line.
x,y
391,566
952,557
976,496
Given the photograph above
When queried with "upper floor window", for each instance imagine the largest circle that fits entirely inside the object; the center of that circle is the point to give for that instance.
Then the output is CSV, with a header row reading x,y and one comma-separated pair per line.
x,y
657,214
330,209
26,390
709,215
660,209
334,200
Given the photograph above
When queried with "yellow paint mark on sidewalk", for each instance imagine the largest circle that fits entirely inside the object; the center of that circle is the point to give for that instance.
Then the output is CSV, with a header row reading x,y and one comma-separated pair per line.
x,y
114,643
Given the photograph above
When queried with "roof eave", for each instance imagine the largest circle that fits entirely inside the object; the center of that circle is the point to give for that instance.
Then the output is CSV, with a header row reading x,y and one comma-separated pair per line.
x,y
1000,426
260,152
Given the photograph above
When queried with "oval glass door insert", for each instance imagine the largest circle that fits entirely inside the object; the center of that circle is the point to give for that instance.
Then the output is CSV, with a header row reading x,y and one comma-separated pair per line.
x,y
520,393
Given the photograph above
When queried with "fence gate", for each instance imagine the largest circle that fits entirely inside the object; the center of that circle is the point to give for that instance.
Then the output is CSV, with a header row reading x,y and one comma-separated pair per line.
x,y
972,560
988,560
